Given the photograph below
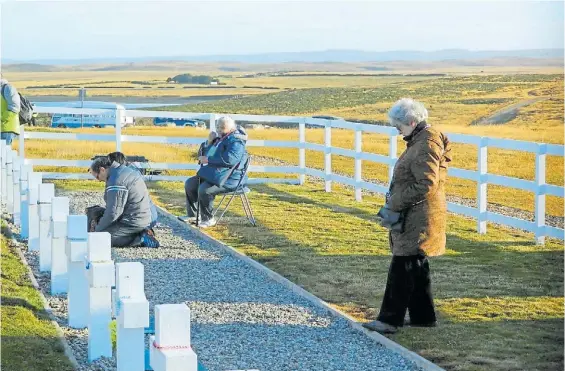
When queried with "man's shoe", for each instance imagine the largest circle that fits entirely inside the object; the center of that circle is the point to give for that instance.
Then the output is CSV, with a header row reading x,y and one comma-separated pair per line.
x,y
187,219
381,327
208,223
429,324
148,239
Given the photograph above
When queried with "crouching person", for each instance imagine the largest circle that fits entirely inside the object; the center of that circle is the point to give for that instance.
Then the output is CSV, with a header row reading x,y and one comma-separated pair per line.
x,y
221,171
120,158
127,215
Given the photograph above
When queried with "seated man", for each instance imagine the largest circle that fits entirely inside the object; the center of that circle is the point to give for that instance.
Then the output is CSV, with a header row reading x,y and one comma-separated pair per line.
x,y
120,158
221,171
127,215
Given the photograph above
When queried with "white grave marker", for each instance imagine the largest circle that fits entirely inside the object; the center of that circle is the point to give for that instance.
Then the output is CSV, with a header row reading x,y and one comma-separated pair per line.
x,y
77,240
25,172
101,278
16,164
169,348
132,312
59,214
34,182
46,194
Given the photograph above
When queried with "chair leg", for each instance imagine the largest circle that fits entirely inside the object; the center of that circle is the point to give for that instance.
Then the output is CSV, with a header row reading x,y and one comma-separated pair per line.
x,y
252,219
219,205
226,208
244,206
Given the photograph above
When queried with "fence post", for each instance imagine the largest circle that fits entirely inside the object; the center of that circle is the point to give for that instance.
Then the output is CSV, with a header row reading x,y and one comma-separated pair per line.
x,y
119,129
302,150
482,185
393,155
328,155
212,122
358,162
540,194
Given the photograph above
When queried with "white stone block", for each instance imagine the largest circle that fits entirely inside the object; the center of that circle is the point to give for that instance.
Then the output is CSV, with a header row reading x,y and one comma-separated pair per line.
x,y
46,192
34,180
44,245
114,302
33,196
33,237
17,199
60,208
130,279
130,349
132,312
59,229
172,325
24,228
171,359
9,155
59,278
76,251
99,340
77,228
25,170
44,212
9,189
78,296
101,274
99,246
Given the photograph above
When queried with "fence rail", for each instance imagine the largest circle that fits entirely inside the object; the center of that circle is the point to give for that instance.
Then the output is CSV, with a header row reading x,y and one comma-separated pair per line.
x,y
481,176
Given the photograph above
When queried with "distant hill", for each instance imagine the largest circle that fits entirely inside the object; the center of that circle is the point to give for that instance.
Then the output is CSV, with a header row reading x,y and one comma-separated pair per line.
x,y
340,56
29,67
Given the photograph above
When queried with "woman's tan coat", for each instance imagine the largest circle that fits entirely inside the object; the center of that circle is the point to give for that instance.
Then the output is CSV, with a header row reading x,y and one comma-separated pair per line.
x,y
418,187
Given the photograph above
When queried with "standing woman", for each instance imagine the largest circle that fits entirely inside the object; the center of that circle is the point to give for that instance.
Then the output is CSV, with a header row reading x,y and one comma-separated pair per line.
x,y
415,212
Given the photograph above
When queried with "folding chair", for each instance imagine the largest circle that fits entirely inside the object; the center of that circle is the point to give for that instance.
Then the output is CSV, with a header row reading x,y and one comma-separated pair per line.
x,y
241,190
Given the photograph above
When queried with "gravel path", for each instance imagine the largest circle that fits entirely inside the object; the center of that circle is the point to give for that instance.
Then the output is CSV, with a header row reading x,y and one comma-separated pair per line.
x,y
241,319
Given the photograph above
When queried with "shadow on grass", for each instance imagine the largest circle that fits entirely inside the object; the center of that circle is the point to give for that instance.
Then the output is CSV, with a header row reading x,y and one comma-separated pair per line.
x,y
33,353
498,265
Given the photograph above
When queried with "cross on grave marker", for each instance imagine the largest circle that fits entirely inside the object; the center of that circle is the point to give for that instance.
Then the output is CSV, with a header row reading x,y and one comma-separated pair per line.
x,y
170,347
101,278
25,172
132,312
16,164
46,194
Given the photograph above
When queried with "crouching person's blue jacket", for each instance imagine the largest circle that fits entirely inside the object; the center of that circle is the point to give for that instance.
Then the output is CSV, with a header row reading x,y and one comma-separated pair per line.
x,y
225,166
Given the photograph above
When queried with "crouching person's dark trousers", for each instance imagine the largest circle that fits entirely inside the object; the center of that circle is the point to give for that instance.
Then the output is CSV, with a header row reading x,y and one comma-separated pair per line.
x,y
203,193
408,287
122,234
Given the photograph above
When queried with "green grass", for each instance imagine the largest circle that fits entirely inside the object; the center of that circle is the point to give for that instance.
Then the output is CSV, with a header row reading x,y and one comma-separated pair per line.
x,y
499,296
29,340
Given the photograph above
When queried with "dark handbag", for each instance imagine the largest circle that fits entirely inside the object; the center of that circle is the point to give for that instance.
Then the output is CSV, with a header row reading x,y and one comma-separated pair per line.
x,y
392,220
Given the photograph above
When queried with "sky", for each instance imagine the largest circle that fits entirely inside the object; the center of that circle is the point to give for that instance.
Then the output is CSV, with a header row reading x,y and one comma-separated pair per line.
x,y
33,30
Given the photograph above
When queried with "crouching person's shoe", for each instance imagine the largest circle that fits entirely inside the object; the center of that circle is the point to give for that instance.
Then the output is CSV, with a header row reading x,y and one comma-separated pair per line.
x,y
381,327
208,223
148,239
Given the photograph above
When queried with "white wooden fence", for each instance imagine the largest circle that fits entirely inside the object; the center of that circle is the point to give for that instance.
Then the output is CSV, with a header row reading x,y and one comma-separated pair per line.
x,y
539,186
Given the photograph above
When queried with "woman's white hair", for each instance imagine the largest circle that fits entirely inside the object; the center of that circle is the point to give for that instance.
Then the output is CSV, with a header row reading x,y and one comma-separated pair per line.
x,y
407,110
225,123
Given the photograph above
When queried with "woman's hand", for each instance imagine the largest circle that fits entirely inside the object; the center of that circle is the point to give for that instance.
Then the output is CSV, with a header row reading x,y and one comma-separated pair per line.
x,y
203,160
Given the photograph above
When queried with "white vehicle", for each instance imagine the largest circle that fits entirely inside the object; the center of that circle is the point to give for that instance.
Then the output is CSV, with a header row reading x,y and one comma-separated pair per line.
x,y
77,120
